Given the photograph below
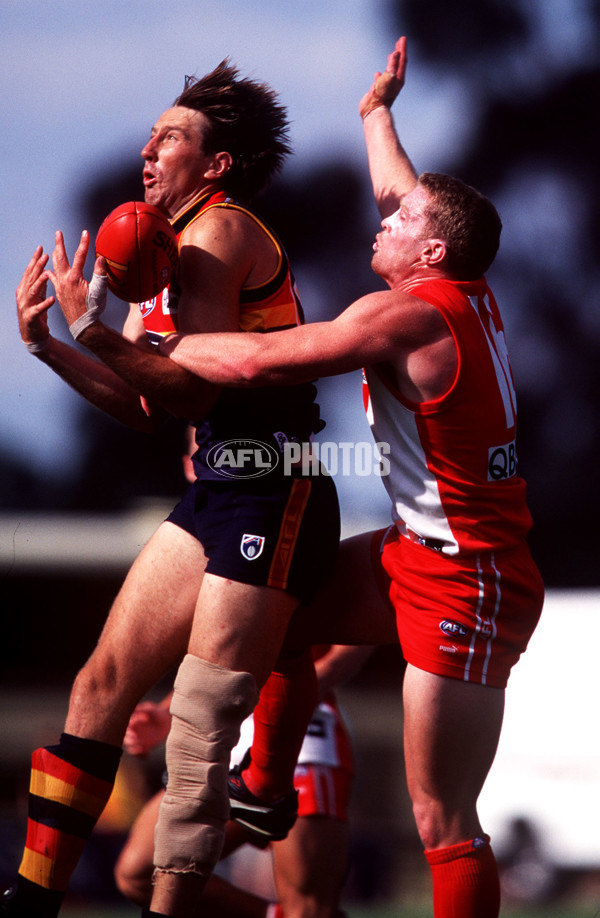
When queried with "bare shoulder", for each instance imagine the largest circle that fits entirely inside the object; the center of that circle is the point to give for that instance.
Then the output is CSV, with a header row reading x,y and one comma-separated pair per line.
x,y
217,222
237,240
405,318
408,339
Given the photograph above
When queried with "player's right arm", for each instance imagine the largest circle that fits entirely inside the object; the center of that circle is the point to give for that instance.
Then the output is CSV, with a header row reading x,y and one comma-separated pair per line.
x,y
392,173
219,252
91,379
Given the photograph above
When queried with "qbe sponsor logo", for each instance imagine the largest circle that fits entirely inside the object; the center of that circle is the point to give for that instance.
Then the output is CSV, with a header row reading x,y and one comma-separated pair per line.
x,y
502,461
242,458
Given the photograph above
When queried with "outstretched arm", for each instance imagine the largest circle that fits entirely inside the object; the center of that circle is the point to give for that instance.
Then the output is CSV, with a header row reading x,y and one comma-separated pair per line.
x,y
392,173
363,334
159,382
95,382
392,327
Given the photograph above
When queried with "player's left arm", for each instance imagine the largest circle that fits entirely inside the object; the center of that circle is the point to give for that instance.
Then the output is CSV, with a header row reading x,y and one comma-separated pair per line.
x,y
88,377
168,386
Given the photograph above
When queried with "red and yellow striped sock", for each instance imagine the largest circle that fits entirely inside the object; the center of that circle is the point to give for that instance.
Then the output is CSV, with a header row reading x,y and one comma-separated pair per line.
x,y
70,786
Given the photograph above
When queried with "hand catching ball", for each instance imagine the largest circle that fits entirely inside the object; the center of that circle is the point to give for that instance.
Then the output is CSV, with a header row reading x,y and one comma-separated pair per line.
x,y
140,248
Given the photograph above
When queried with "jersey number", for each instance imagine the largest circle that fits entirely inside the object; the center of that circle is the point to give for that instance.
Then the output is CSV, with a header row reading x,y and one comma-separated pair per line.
x,y
499,354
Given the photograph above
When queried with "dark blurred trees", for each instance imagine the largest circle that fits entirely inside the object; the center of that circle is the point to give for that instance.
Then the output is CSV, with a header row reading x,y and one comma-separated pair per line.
x,y
530,124
534,153
457,35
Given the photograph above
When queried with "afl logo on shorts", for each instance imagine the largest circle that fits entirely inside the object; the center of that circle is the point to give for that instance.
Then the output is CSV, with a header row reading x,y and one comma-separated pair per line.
x,y
252,546
453,629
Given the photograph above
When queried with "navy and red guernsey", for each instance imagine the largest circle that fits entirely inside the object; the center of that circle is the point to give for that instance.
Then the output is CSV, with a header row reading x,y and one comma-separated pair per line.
x,y
275,415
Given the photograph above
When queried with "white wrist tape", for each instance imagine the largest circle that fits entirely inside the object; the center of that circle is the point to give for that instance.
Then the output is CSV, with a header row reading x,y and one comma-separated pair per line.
x,y
95,305
36,347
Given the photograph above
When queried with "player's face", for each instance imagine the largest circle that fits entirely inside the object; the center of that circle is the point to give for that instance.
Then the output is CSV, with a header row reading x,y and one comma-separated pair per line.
x,y
399,245
175,162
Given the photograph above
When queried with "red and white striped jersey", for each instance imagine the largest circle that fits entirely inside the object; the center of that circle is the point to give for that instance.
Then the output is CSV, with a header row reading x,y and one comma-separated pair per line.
x,y
453,460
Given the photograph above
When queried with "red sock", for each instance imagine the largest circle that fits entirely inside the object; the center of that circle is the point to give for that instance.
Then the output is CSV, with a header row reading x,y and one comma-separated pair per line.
x,y
465,880
281,717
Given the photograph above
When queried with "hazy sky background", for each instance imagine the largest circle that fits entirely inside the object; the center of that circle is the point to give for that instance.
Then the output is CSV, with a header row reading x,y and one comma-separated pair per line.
x,y
84,80
83,83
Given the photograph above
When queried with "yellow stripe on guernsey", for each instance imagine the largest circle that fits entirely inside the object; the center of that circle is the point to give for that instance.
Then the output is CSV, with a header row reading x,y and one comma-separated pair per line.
x,y
270,305
274,303
267,317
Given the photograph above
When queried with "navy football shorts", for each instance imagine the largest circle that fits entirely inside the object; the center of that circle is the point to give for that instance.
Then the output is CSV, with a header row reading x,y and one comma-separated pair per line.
x,y
280,531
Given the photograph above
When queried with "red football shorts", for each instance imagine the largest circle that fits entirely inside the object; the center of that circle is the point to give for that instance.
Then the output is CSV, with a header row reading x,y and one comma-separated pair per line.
x,y
323,790
469,618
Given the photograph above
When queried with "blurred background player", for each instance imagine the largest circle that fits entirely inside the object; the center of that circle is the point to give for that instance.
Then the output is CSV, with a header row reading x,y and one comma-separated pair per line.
x,y
310,865
218,582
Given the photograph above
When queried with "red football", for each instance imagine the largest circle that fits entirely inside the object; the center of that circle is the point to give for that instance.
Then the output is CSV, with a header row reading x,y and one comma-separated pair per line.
x,y
140,248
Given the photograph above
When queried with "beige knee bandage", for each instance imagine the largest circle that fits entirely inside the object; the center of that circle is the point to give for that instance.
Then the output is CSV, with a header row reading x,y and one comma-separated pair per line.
x,y
209,704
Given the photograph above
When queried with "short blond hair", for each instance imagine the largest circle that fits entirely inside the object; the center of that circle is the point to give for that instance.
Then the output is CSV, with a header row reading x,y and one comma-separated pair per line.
x,y
466,221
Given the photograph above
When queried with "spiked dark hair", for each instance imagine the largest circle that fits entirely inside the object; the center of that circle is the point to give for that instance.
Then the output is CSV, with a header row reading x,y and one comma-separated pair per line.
x,y
466,221
246,120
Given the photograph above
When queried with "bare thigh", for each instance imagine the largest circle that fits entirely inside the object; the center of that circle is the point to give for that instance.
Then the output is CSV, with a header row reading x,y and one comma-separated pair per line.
x,y
146,634
351,608
451,733
240,626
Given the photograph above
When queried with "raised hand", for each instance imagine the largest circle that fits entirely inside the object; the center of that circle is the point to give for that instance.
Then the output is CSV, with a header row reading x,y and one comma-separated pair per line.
x,y
69,283
33,303
388,84
82,304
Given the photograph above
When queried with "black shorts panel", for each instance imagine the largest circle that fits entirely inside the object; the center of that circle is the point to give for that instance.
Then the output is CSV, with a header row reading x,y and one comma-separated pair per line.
x,y
282,533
